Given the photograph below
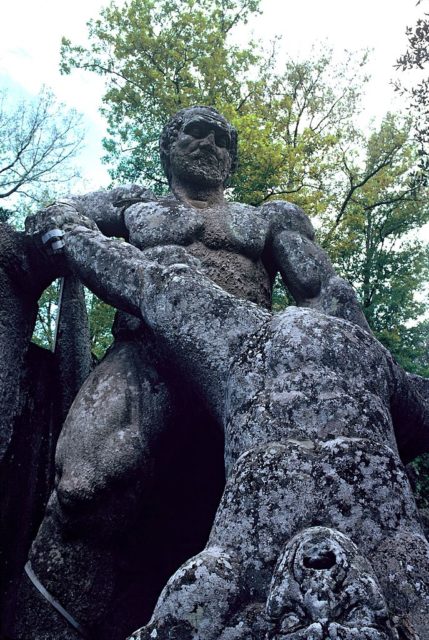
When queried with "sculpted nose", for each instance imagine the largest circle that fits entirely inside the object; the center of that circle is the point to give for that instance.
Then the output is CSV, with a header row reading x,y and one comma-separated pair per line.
x,y
209,140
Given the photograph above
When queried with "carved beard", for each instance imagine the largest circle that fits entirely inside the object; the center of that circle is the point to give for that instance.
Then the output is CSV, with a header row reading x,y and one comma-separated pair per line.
x,y
201,167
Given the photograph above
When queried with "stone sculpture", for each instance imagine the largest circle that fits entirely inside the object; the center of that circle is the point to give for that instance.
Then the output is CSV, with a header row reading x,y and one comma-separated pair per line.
x,y
313,411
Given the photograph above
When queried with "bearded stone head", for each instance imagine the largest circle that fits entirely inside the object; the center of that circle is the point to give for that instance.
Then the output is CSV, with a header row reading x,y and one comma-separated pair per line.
x,y
323,589
199,145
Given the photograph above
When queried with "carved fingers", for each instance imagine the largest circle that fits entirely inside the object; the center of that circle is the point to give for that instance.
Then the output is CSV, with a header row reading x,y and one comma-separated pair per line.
x,y
53,240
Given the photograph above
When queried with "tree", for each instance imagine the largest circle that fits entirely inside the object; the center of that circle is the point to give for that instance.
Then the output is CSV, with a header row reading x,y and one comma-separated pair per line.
x,y
290,130
38,140
416,57
158,57
100,316
297,134
44,330
372,238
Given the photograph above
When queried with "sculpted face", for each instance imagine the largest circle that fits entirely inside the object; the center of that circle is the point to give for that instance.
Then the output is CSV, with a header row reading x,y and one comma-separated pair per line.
x,y
201,153
322,589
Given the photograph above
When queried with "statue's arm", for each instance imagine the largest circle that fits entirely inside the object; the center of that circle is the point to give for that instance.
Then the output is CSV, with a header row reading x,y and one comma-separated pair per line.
x,y
113,270
305,267
105,208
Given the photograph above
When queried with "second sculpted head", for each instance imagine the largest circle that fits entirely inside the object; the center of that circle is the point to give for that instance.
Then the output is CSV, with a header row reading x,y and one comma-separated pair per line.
x,y
198,145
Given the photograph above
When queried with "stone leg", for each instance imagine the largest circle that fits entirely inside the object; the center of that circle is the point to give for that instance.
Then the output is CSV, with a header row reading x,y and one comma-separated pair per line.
x,y
402,564
362,573
104,461
198,599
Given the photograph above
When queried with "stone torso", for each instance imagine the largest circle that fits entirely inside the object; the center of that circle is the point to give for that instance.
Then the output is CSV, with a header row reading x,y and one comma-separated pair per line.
x,y
229,240
305,378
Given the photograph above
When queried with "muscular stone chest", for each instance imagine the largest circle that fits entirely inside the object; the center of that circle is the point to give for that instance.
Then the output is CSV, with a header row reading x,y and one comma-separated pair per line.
x,y
229,241
232,227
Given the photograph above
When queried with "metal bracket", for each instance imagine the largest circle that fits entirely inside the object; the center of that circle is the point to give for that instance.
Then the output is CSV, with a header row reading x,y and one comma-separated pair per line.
x,y
54,603
53,233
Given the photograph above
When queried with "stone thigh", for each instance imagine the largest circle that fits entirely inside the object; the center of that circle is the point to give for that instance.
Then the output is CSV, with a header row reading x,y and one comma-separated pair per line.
x,y
104,478
105,453
139,478
354,504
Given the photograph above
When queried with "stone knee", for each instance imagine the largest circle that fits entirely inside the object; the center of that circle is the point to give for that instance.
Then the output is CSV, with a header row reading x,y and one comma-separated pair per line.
x,y
198,599
105,453
103,507
74,499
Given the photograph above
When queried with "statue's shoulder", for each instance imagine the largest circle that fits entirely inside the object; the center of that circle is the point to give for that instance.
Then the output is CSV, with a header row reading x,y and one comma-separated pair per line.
x,y
167,202
247,213
103,202
285,216
131,194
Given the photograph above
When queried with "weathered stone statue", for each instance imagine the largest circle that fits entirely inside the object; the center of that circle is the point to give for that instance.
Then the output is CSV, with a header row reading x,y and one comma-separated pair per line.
x,y
312,409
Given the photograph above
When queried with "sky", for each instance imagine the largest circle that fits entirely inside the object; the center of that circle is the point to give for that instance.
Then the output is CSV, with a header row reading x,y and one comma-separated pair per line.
x,y
30,34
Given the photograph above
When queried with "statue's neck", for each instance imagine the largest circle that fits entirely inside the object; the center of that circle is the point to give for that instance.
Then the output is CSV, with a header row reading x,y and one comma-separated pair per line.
x,y
199,196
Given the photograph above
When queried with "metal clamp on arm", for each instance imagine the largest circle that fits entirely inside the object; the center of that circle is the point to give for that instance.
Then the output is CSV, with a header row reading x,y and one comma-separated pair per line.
x,y
56,236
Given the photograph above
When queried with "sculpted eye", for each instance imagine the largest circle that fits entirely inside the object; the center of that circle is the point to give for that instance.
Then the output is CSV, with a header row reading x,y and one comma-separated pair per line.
x,y
222,141
195,131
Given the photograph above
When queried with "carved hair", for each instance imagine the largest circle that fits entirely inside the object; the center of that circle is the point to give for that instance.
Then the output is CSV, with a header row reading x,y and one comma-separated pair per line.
x,y
171,131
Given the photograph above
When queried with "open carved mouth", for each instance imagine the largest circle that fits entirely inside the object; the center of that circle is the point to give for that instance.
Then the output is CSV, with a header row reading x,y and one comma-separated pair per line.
x,y
323,589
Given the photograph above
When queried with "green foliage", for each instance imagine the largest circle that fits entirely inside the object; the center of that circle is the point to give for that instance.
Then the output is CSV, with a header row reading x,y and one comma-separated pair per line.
x,y
158,57
290,130
281,296
100,316
373,239
44,330
410,346
297,140
421,470
416,57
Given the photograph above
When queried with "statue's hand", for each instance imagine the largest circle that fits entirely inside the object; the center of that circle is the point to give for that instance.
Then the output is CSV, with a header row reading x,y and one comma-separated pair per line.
x,y
48,227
